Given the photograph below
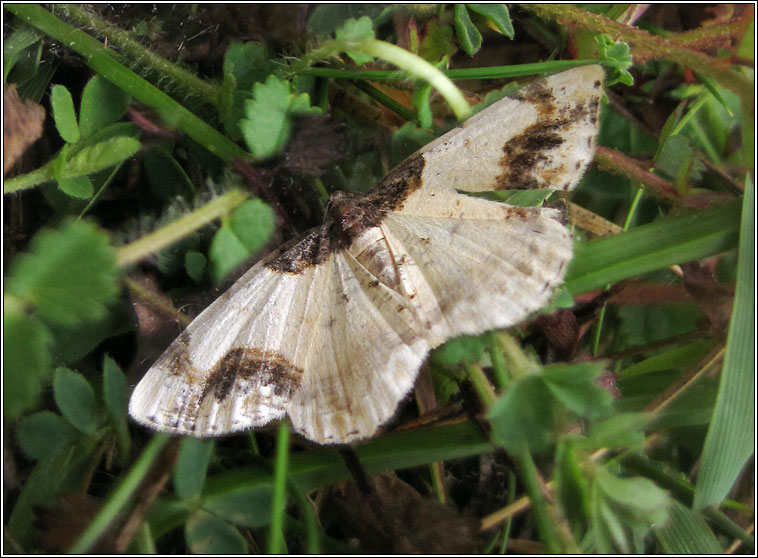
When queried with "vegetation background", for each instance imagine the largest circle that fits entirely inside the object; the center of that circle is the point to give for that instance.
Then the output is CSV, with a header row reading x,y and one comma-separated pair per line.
x,y
183,141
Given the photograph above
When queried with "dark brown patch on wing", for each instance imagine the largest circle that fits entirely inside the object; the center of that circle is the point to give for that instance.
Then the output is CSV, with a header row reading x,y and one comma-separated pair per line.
x,y
261,368
527,161
177,357
539,95
296,255
347,216
522,155
526,157
401,182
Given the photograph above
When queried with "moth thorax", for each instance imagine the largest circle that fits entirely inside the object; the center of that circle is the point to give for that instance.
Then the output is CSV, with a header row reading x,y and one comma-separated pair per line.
x,y
350,214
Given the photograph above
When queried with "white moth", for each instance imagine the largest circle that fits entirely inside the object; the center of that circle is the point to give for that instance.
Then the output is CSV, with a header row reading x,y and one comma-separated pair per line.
x,y
331,329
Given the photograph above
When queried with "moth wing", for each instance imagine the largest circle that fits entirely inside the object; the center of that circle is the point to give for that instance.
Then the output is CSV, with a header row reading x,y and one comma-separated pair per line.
x,y
239,362
363,360
541,137
476,264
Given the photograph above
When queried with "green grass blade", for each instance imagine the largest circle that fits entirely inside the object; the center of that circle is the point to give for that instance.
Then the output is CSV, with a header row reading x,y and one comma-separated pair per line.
x,y
686,532
121,496
276,533
654,246
312,469
729,442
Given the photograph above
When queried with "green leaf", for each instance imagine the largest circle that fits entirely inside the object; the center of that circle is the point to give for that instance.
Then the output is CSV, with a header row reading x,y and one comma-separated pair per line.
x,y
468,35
102,104
269,128
625,509
64,114
115,392
462,350
77,187
75,399
574,387
650,503
167,177
207,534
686,532
729,443
243,233
100,156
678,160
617,58
226,253
268,125
43,434
195,264
73,342
522,198
671,240
497,14
326,18
244,65
671,124
26,357
248,63
522,418
16,44
253,223
361,28
621,430
437,42
68,274
191,467
248,505
617,132
227,93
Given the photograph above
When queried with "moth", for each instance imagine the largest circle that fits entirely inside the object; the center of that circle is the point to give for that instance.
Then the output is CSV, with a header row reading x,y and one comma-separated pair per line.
x,y
332,328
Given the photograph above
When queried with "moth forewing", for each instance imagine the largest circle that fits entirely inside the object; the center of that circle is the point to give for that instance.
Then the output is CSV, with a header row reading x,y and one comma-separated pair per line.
x,y
238,363
541,137
332,328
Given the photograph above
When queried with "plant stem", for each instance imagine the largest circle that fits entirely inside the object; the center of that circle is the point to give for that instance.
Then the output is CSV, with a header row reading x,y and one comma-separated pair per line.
x,y
415,66
137,53
657,47
530,477
518,363
491,72
29,180
101,60
165,236
481,384
279,500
